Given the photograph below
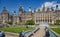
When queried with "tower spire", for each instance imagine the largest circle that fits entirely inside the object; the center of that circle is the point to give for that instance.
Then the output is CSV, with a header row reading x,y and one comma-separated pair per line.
x,y
52,9
29,9
4,8
48,9
20,9
14,13
43,7
56,6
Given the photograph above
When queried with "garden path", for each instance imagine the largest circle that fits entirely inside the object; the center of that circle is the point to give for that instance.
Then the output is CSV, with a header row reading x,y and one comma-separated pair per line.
x,y
39,33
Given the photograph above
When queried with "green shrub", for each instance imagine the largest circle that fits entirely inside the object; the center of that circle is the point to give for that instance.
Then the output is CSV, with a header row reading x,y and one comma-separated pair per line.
x,y
10,23
57,22
29,22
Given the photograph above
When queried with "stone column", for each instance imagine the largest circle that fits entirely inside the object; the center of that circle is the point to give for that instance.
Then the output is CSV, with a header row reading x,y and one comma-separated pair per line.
x,y
42,17
35,18
17,20
52,21
49,18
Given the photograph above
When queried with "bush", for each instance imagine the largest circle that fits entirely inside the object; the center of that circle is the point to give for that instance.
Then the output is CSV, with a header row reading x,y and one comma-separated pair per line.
x,y
10,23
57,22
29,22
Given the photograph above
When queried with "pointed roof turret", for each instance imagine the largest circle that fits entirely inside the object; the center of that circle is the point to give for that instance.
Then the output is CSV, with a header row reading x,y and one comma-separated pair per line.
x,y
48,8
4,11
20,9
29,9
56,6
4,8
14,13
43,7
52,9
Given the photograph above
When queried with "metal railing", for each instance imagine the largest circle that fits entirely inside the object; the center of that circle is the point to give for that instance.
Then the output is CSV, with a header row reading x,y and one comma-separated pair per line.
x,y
53,33
30,33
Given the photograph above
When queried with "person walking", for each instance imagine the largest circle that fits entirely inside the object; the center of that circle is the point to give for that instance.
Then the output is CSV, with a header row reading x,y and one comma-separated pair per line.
x,y
47,33
46,28
20,34
2,34
23,34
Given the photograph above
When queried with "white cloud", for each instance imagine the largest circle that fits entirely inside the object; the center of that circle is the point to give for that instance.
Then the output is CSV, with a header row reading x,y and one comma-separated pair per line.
x,y
50,4
47,4
54,6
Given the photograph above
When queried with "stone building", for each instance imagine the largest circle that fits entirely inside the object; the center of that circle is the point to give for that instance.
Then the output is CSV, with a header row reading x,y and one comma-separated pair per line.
x,y
49,16
4,15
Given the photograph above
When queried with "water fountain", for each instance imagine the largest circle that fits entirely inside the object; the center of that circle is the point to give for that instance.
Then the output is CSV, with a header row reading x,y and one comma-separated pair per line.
x,y
44,24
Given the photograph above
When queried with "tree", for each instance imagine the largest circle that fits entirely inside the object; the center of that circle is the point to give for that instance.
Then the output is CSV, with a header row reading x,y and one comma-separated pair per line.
x,y
29,22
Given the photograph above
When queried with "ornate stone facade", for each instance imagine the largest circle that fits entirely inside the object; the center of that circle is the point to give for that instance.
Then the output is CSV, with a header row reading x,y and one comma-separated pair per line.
x,y
38,16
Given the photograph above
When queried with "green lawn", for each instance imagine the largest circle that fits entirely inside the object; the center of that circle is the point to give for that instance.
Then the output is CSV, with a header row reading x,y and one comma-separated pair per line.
x,y
56,30
16,29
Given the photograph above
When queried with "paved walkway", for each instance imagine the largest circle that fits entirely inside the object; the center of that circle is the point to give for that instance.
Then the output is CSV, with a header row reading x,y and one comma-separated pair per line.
x,y
10,36
39,33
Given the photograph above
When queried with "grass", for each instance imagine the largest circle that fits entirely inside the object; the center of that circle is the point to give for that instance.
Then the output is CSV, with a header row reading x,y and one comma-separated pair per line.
x,y
56,30
16,29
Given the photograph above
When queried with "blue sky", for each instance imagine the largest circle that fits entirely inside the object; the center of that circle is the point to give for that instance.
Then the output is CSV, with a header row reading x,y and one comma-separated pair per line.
x,y
13,5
